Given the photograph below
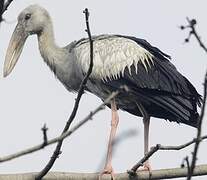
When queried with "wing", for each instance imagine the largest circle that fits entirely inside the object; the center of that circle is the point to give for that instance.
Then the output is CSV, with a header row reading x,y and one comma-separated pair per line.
x,y
153,80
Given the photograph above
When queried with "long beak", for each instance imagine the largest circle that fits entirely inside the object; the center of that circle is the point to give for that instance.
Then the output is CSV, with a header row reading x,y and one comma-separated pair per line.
x,y
14,49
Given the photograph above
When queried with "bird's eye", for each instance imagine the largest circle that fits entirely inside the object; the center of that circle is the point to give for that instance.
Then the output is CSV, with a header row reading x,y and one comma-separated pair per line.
x,y
27,16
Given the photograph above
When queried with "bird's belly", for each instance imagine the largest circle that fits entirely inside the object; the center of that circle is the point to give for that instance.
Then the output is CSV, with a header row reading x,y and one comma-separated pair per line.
x,y
123,100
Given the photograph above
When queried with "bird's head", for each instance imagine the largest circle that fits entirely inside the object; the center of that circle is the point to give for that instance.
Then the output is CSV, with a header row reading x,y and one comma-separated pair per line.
x,y
31,20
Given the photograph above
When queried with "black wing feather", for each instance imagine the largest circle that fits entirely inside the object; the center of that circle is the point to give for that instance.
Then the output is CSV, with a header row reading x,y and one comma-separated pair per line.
x,y
162,90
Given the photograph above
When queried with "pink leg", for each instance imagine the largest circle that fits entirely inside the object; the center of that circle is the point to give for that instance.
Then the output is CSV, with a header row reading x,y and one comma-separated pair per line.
x,y
146,121
114,122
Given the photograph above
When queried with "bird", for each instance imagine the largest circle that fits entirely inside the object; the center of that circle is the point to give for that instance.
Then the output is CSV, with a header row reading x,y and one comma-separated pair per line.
x,y
155,87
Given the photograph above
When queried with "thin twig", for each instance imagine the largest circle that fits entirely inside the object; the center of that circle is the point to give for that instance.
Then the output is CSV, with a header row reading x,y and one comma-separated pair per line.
x,y
44,131
73,114
187,163
198,139
1,9
186,160
191,25
154,149
193,31
6,5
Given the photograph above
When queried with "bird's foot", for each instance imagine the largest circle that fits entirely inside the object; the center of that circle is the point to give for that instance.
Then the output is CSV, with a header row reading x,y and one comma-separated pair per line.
x,y
147,166
107,170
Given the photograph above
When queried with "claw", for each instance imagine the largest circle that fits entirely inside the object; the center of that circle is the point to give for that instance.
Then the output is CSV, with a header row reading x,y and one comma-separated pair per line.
x,y
107,170
147,166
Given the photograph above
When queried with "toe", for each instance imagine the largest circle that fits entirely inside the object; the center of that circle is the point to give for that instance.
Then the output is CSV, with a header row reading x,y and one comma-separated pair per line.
x,y
107,170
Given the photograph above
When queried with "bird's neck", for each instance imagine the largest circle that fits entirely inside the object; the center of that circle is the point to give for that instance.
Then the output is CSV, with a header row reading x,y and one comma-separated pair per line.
x,y
50,52
58,59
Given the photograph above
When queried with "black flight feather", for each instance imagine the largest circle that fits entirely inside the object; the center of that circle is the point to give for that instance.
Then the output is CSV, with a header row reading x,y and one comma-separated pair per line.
x,y
162,90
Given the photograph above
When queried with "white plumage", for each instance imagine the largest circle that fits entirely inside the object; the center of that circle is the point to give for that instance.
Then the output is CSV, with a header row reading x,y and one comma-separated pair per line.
x,y
112,55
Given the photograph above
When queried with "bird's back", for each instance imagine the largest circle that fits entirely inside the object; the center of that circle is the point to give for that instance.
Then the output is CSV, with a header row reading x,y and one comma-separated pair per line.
x,y
151,78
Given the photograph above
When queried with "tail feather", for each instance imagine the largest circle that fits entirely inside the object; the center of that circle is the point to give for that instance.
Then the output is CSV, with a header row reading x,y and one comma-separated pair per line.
x,y
174,108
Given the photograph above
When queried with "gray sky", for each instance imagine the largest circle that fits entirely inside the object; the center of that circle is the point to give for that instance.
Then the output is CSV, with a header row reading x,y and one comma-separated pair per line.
x,y
31,96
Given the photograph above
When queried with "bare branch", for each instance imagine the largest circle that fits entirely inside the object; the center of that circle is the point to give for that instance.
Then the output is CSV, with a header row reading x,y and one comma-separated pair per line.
x,y
188,164
198,139
44,131
6,5
191,25
141,175
1,9
160,147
